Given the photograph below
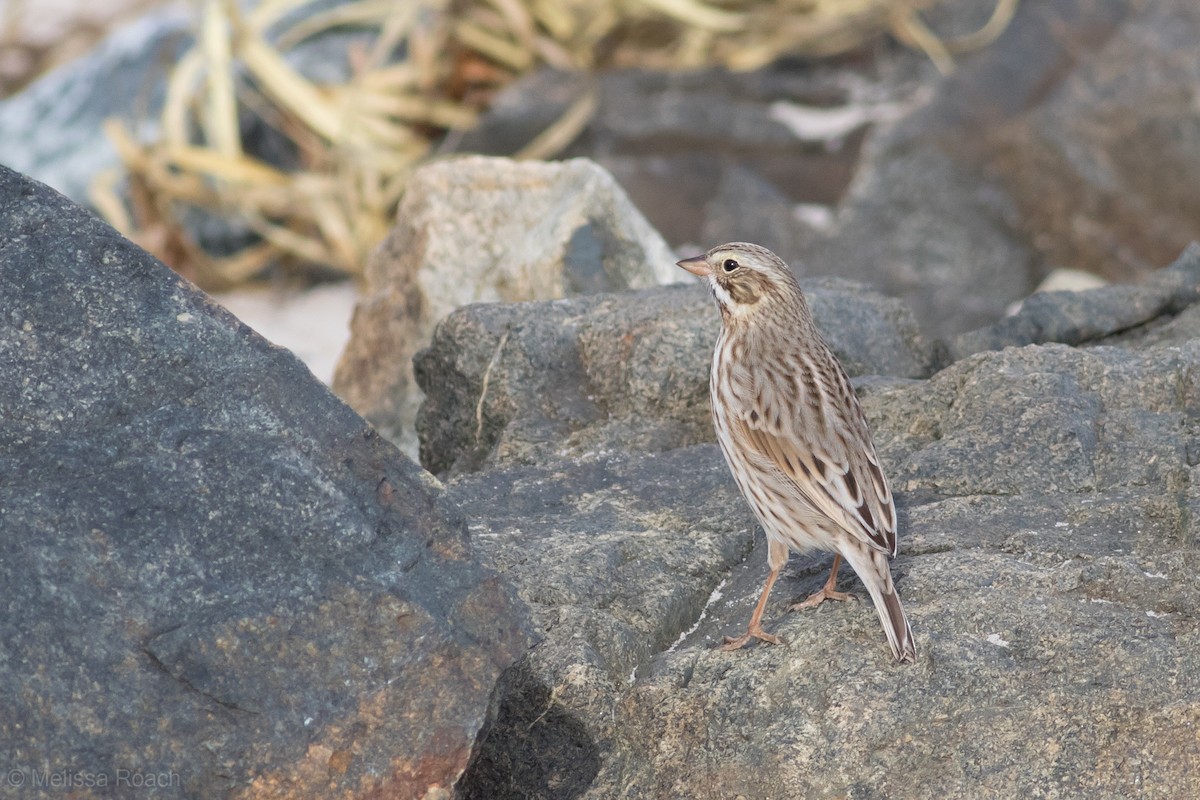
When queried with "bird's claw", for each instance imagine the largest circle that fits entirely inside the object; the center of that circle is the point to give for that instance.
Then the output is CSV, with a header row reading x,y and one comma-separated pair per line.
x,y
816,598
737,643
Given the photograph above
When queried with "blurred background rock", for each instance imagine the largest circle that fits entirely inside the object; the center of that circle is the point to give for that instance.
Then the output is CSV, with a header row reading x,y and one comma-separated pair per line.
x,y
39,35
955,155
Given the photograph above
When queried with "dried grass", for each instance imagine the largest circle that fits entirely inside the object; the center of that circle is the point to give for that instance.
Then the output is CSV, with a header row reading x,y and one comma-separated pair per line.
x,y
359,141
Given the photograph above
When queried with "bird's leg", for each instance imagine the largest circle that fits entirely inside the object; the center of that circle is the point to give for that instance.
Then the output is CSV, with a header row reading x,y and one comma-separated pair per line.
x,y
776,557
827,592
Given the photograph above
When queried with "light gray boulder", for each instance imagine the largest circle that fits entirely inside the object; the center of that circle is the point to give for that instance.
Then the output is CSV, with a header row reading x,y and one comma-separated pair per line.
x,y
486,229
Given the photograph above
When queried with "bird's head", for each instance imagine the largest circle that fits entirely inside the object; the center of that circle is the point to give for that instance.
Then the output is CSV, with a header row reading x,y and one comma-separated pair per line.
x,y
745,279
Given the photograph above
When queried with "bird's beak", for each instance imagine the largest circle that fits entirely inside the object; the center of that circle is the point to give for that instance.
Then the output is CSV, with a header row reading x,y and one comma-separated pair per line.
x,y
698,266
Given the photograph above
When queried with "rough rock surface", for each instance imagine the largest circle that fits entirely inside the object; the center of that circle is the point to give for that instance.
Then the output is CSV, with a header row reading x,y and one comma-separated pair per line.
x,y
213,574
1048,551
524,382
1093,315
1048,565
482,229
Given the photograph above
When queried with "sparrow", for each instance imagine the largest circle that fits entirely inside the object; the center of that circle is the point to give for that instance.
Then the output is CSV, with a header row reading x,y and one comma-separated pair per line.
x,y
795,438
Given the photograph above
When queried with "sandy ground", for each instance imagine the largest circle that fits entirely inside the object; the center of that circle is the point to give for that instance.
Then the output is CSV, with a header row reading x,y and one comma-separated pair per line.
x,y
312,323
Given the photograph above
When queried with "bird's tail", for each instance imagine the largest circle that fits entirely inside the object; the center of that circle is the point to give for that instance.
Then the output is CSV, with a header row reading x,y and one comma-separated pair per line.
x,y
876,574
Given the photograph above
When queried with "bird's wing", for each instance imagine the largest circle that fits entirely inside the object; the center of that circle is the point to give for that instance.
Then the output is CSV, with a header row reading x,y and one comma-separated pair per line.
x,y
828,456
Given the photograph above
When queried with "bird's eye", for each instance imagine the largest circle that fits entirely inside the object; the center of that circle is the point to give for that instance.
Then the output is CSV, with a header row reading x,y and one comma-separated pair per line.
x,y
730,265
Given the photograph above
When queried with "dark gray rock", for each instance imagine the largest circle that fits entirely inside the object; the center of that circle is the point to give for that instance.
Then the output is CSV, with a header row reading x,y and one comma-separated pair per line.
x,y
518,113
919,225
615,567
748,208
211,569
1067,143
520,383
1120,313
1164,330
929,217
1103,167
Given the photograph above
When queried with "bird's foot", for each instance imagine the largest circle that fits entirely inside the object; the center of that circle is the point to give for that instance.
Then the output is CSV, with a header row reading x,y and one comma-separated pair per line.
x,y
753,632
816,598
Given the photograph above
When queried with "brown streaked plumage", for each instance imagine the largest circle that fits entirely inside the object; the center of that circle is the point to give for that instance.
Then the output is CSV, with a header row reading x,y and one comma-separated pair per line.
x,y
794,435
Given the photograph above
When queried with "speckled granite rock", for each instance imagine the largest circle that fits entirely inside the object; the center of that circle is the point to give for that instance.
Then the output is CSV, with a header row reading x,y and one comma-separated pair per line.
x,y
1048,553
